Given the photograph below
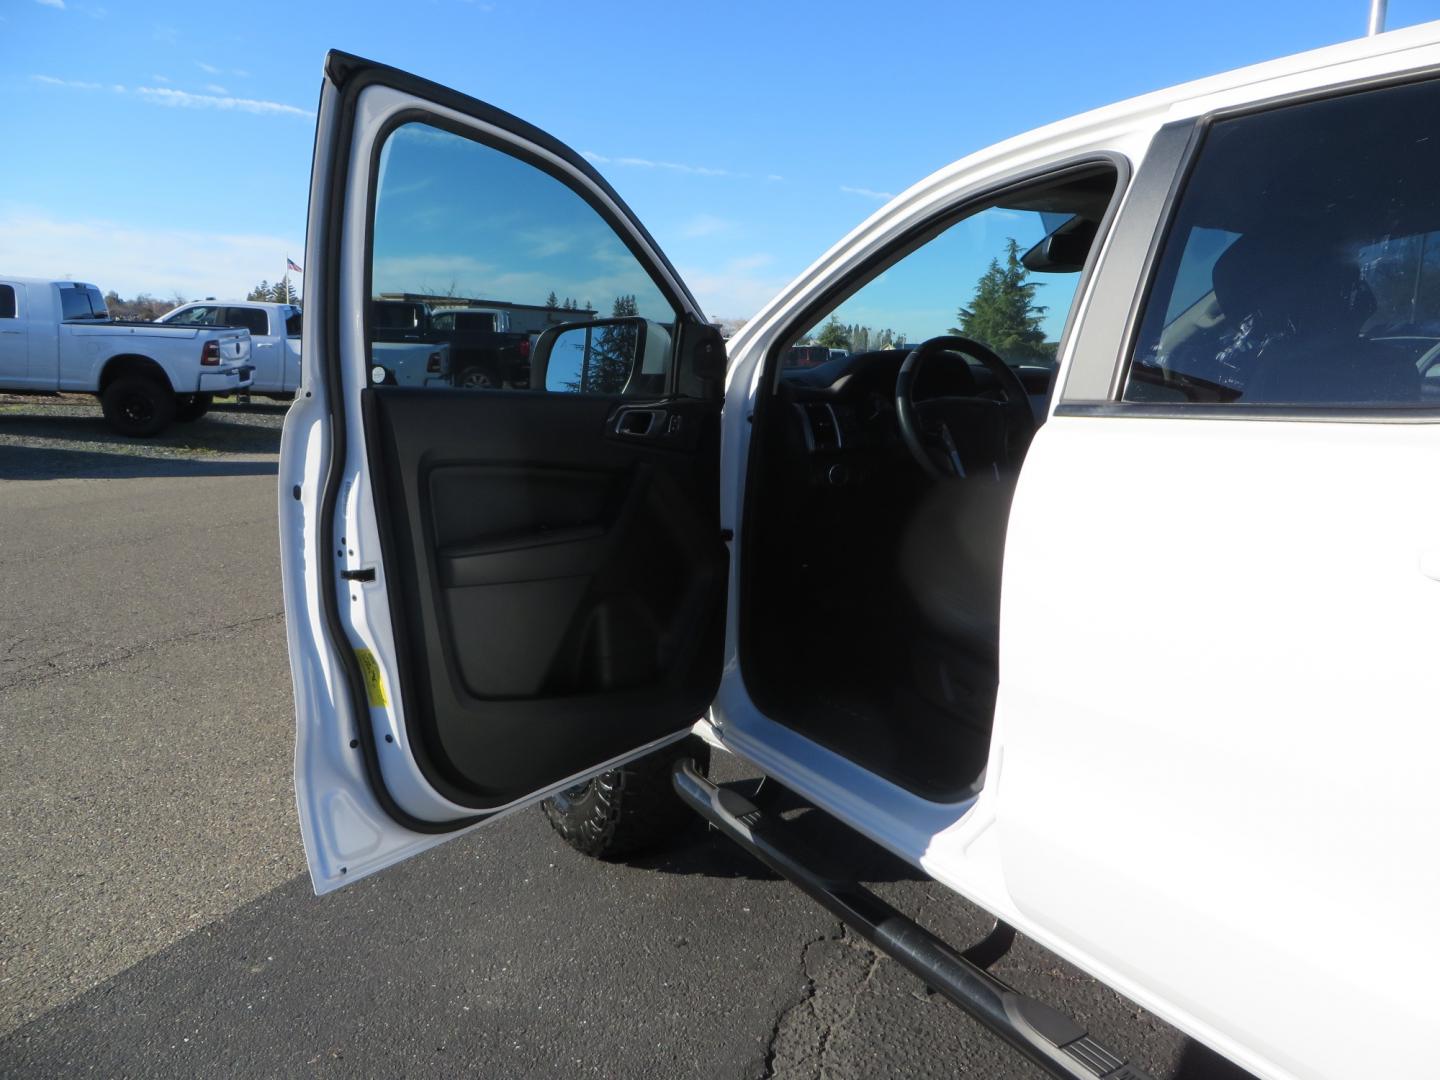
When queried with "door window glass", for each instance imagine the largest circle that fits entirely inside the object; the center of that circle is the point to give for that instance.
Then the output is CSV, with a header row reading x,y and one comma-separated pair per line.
x,y
459,224
196,316
253,319
1303,264
7,301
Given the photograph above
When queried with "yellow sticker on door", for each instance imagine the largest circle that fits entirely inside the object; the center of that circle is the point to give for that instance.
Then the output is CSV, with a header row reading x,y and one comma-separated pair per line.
x,y
374,678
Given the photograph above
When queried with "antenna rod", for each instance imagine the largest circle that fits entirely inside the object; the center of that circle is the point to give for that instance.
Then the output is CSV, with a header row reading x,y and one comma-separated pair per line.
x,y
1377,18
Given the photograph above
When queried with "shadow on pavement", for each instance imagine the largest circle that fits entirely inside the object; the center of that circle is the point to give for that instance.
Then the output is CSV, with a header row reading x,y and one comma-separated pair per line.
x,y
832,848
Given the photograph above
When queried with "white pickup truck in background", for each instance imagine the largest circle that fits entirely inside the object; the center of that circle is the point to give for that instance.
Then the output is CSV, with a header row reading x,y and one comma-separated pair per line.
x,y
274,338
58,336
275,346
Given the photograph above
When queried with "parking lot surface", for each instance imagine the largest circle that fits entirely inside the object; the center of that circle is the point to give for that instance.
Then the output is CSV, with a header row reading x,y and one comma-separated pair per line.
x,y
156,919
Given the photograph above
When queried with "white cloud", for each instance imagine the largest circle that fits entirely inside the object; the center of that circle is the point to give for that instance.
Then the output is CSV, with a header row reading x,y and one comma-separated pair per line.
x,y
73,84
705,225
647,163
738,289
57,4
209,69
214,89
159,78
878,196
159,261
183,100
774,176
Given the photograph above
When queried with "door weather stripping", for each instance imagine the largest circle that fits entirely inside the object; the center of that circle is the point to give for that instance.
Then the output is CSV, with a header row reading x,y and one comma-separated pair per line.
x,y
1052,1040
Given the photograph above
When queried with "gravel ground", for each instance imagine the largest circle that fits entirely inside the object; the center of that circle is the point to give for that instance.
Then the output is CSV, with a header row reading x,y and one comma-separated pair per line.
x,y
44,438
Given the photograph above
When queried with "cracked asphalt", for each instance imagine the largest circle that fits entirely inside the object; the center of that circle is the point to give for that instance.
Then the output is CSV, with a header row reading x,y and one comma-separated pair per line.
x,y
155,919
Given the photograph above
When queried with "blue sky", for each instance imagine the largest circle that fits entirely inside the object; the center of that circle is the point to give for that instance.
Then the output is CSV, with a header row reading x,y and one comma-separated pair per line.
x,y
166,147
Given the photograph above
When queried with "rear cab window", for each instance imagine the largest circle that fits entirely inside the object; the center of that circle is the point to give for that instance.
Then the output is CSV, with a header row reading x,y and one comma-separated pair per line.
x,y
82,303
1302,265
7,302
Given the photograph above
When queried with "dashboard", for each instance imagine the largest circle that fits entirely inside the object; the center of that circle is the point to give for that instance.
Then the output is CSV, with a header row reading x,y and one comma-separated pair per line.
x,y
841,414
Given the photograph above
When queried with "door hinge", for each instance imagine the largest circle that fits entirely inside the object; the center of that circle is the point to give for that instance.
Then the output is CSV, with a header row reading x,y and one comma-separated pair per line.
x,y
365,574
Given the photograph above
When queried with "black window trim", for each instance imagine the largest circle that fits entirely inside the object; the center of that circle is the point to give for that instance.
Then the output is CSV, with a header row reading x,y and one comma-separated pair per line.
x,y
1114,406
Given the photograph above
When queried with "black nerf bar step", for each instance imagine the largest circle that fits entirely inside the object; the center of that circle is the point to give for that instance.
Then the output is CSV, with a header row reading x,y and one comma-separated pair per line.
x,y
1049,1038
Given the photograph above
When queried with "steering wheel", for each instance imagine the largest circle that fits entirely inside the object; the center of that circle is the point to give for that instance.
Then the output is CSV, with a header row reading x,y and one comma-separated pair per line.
x,y
964,436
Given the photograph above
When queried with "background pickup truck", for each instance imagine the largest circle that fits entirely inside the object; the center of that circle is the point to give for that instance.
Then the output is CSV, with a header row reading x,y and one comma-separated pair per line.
x,y
484,350
274,338
480,349
58,335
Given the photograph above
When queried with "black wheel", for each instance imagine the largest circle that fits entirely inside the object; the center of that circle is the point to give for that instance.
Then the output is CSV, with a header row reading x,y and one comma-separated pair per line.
x,y
196,407
629,810
476,378
138,405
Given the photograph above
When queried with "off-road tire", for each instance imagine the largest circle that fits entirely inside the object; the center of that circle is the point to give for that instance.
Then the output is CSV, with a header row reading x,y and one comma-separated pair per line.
x,y
138,405
195,408
630,810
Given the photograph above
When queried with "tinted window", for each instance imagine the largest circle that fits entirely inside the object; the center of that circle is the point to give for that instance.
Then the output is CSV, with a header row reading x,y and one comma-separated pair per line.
x,y
75,303
293,323
459,224
1303,264
253,319
7,301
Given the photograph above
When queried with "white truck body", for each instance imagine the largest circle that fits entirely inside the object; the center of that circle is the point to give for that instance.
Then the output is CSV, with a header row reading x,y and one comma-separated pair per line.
x,y
275,344
274,337
1213,745
42,350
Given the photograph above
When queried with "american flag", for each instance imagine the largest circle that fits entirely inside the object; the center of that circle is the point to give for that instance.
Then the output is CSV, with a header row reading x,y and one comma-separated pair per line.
x,y
291,264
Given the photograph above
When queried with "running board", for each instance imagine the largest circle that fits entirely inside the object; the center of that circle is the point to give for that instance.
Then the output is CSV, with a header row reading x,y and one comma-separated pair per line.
x,y
1052,1040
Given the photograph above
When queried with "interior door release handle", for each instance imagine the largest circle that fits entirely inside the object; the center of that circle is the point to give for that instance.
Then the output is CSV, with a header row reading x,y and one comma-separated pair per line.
x,y
640,423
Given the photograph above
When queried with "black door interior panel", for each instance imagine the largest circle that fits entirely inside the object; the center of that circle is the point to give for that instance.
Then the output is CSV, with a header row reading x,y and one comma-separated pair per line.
x,y
556,584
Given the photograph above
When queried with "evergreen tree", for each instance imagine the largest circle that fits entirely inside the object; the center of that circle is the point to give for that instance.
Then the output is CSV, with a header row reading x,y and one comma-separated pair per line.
x,y
260,292
552,301
833,335
1003,313
282,292
612,352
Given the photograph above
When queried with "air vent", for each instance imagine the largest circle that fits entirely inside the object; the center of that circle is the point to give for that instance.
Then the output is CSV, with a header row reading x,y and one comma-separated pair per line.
x,y
822,427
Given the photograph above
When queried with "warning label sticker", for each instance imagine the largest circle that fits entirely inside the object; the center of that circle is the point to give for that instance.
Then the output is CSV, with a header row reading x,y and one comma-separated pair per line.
x,y
374,678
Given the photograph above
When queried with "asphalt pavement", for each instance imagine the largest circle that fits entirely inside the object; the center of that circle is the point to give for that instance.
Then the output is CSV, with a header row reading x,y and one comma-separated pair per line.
x,y
155,918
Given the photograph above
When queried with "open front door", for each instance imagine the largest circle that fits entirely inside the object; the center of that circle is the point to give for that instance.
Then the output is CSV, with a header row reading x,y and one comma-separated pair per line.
x,y
503,566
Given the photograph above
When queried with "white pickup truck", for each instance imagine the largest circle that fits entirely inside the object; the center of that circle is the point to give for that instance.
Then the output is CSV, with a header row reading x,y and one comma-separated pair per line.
x,y
58,335
1132,643
274,338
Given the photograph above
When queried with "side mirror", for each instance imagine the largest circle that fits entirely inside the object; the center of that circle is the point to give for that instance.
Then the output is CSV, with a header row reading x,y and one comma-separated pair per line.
x,y
596,357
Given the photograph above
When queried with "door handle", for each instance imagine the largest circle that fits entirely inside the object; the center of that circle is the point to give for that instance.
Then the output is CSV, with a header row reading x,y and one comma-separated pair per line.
x,y
9,331
640,423
264,344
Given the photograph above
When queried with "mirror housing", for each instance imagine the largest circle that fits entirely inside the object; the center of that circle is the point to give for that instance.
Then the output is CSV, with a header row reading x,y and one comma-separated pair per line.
x,y
1064,250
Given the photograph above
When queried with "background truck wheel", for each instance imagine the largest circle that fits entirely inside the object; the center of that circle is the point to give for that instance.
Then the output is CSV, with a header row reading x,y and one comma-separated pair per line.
x,y
629,810
194,408
138,405
477,378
